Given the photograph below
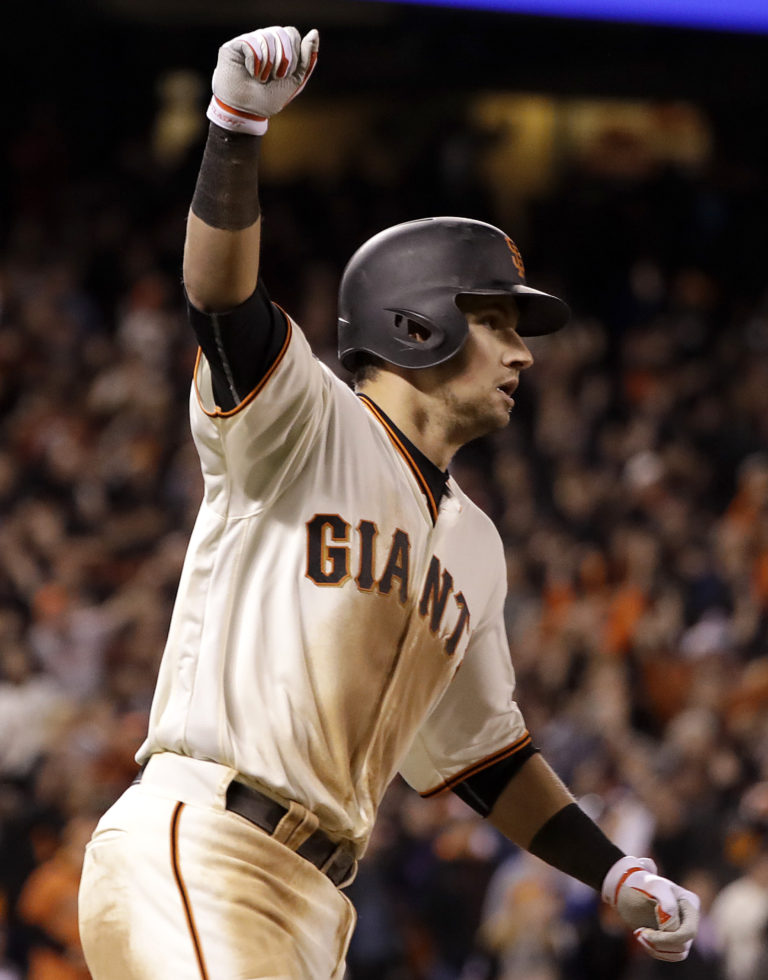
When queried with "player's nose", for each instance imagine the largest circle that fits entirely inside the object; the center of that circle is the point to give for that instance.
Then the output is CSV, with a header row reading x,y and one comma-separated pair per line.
x,y
517,353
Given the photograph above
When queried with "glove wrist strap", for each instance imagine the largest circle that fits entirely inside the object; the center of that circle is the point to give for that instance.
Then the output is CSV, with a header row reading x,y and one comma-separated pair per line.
x,y
235,120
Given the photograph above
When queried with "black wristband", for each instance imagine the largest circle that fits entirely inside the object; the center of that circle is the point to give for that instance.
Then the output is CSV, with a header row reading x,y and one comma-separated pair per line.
x,y
571,842
227,190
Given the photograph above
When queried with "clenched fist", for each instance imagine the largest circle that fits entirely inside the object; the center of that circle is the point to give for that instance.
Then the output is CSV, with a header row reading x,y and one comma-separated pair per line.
x,y
663,916
257,74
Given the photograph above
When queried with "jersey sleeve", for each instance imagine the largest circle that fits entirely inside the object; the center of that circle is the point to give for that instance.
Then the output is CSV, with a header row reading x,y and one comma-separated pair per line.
x,y
249,452
477,722
241,345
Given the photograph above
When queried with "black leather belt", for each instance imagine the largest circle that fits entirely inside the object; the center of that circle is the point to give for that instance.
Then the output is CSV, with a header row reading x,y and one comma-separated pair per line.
x,y
334,860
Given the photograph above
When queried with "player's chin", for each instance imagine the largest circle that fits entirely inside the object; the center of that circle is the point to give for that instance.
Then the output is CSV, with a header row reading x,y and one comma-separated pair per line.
x,y
500,413
489,424
482,420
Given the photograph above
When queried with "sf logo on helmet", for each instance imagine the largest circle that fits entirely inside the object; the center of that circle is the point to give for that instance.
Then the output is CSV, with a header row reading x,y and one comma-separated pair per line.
x,y
516,256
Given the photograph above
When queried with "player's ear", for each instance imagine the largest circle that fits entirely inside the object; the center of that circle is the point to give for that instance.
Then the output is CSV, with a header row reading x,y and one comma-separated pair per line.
x,y
416,331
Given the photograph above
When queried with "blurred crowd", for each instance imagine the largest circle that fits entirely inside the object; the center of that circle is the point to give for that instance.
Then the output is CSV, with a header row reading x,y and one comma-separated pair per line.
x,y
630,489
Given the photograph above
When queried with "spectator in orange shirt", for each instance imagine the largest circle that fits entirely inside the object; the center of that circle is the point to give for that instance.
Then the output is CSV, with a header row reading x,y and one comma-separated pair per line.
x,y
48,906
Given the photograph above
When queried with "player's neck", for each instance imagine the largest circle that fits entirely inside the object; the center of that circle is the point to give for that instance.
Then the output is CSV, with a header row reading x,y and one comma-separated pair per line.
x,y
413,413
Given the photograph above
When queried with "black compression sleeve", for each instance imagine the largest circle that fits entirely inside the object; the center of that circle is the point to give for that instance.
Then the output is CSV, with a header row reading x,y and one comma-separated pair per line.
x,y
227,190
571,842
483,789
241,345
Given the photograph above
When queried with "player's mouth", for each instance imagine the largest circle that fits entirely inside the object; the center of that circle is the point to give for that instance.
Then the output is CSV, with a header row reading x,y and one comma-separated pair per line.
x,y
508,389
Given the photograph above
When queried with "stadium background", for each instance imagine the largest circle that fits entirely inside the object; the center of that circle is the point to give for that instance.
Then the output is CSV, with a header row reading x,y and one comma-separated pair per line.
x,y
631,489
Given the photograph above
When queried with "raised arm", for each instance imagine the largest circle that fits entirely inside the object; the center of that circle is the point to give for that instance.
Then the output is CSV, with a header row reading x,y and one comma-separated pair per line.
x,y
256,75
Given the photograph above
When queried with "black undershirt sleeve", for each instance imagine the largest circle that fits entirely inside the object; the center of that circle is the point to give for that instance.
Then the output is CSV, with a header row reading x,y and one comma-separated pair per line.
x,y
483,789
240,345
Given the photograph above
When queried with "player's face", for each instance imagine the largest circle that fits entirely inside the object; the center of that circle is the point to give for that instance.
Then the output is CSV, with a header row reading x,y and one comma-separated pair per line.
x,y
477,385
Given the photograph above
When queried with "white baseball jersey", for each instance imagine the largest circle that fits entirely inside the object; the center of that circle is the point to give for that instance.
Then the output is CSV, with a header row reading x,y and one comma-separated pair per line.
x,y
333,625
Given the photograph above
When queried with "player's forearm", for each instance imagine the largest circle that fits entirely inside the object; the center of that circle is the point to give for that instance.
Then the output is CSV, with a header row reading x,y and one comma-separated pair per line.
x,y
538,812
221,251
257,75
530,799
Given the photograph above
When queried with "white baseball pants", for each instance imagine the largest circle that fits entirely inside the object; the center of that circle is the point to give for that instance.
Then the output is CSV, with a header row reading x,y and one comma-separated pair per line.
x,y
176,886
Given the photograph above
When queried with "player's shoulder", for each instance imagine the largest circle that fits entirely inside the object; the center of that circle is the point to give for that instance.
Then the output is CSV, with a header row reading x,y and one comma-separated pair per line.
x,y
481,522
320,363
340,388
346,413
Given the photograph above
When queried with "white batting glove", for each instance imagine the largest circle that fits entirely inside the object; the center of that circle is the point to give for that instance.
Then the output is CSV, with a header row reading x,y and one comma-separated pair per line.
x,y
257,74
663,916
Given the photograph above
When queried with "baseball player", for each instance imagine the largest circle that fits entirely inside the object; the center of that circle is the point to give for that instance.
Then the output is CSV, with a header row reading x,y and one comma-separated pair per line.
x,y
339,614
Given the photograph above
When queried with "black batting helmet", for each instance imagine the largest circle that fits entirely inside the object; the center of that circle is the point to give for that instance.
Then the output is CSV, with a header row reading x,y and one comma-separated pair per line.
x,y
414,272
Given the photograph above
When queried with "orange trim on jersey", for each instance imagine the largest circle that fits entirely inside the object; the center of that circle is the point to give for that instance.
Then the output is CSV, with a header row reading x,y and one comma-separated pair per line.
x,y
218,414
414,466
521,743
183,891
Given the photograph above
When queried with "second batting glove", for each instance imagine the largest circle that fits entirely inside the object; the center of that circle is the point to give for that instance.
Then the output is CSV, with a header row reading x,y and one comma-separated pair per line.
x,y
663,916
257,74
